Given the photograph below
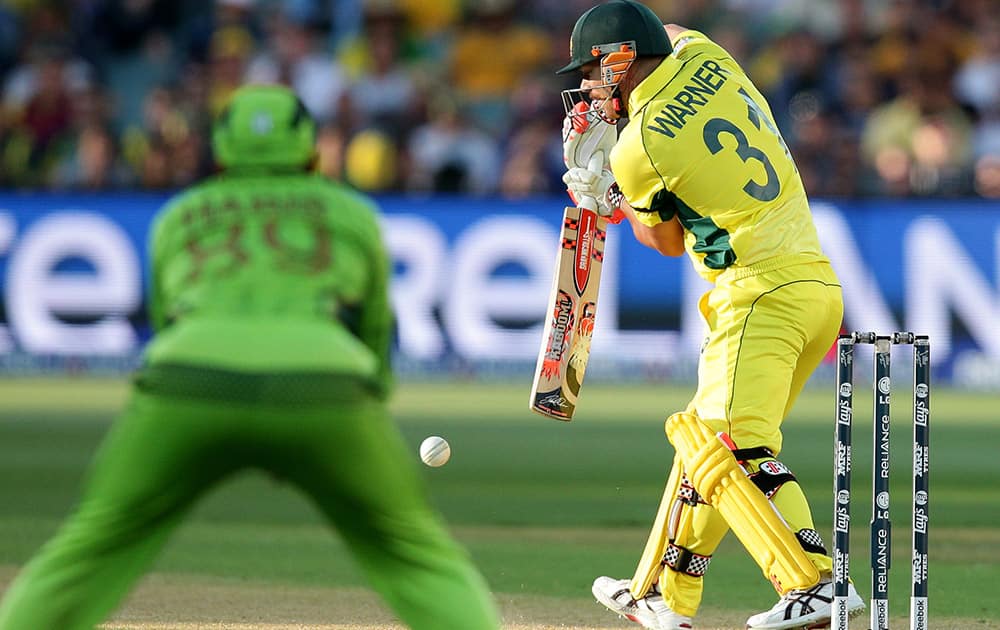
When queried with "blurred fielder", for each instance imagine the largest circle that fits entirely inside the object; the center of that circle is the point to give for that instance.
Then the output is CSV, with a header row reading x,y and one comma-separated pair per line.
x,y
269,298
700,167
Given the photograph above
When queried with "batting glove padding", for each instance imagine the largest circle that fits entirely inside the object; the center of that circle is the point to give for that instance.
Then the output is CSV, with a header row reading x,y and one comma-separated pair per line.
x,y
586,135
581,182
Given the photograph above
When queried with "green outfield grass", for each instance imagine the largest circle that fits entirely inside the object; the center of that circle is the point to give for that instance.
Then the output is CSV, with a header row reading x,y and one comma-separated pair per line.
x,y
543,506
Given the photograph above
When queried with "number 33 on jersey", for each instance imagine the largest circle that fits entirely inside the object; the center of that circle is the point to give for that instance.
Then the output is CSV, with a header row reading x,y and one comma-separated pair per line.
x,y
702,145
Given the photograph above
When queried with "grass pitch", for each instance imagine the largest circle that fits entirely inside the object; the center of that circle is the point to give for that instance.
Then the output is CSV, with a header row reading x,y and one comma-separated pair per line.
x,y
543,507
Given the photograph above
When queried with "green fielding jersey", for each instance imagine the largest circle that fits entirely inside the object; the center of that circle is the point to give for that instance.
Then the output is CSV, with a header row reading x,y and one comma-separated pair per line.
x,y
701,145
264,272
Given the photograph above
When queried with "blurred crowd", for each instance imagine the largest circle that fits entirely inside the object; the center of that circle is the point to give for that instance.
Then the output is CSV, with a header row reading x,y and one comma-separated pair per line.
x,y
874,97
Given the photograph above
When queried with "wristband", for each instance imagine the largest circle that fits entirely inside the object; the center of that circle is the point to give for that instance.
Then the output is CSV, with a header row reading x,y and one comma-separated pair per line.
x,y
615,196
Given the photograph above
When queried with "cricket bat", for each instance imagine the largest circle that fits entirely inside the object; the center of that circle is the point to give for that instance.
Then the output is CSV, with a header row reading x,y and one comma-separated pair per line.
x,y
569,324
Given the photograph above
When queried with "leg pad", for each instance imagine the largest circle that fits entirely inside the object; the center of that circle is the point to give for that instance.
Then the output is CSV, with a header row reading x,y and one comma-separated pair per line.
x,y
718,477
648,570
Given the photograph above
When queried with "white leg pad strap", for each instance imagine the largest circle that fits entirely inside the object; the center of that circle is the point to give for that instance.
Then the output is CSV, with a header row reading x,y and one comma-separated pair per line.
x,y
718,477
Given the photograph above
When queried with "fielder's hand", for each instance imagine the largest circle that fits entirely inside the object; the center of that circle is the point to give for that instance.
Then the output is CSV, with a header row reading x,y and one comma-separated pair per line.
x,y
585,135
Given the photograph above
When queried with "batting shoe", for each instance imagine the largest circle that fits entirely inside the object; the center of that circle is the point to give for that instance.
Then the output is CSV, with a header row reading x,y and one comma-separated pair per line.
x,y
805,609
649,612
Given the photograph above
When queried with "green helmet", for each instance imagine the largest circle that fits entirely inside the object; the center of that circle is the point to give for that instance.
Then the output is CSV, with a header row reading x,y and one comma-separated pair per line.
x,y
617,22
264,126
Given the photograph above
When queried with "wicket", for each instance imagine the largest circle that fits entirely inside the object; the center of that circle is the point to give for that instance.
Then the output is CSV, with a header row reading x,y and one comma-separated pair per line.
x,y
881,532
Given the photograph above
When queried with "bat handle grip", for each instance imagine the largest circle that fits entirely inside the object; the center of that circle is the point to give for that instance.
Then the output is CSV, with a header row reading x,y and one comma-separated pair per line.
x,y
595,165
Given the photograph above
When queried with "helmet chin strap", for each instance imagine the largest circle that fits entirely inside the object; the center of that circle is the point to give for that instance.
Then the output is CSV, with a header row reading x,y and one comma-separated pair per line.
x,y
573,98
616,107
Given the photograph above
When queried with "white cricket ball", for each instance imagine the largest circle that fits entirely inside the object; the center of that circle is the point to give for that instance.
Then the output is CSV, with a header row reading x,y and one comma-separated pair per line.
x,y
435,451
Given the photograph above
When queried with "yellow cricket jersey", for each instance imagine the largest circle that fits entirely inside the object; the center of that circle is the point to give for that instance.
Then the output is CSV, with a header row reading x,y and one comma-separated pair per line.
x,y
701,144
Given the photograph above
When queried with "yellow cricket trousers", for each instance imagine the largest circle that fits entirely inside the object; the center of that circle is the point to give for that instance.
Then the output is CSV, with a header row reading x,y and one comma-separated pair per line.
x,y
768,330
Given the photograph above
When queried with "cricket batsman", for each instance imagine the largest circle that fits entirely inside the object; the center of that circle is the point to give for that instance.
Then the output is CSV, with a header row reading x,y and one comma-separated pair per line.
x,y
269,300
699,167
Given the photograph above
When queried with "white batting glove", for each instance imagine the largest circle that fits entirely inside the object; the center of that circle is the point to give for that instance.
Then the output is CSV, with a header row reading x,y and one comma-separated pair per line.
x,y
582,182
586,135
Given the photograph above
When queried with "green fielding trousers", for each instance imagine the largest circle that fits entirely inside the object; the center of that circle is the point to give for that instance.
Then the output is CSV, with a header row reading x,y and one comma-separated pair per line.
x,y
168,448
